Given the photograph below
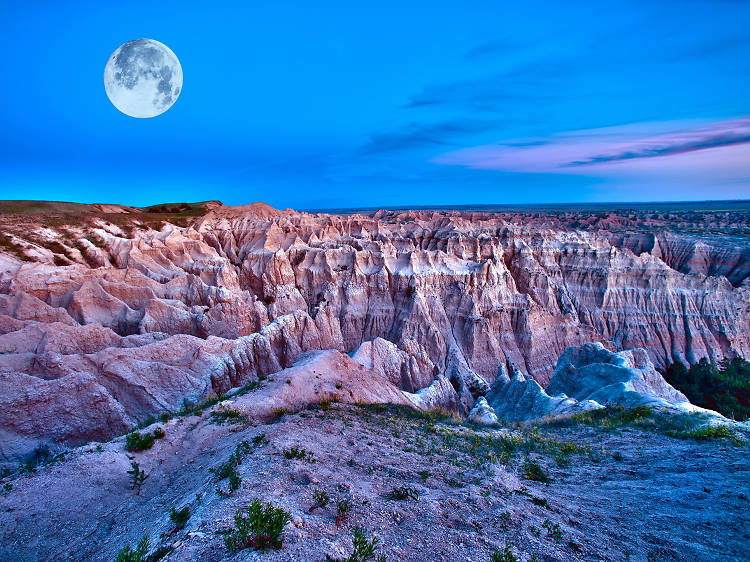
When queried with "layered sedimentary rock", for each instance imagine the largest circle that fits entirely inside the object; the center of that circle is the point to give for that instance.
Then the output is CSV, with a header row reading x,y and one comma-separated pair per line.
x,y
134,321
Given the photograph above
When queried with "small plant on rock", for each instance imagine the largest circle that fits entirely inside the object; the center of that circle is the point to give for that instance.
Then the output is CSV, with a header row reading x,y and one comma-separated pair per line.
x,y
404,493
320,499
137,477
180,516
553,530
364,549
228,415
140,553
343,508
136,442
503,556
260,440
258,526
532,471
235,481
298,453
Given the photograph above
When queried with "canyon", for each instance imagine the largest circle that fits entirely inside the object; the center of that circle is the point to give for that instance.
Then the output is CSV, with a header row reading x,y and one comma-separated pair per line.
x,y
110,315
467,384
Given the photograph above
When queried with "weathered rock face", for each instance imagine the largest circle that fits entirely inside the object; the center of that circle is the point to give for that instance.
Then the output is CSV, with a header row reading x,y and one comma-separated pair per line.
x,y
435,302
627,378
587,377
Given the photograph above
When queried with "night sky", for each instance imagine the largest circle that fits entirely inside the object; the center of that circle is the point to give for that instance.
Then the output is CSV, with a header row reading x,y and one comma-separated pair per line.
x,y
350,104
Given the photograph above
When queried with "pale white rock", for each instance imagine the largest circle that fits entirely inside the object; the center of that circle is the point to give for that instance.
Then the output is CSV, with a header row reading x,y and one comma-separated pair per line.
x,y
482,413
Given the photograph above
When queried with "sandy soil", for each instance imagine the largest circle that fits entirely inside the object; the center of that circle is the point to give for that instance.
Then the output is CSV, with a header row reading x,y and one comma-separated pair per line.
x,y
625,494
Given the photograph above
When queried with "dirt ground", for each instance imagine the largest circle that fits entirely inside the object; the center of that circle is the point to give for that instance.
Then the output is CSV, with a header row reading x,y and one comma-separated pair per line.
x,y
617,494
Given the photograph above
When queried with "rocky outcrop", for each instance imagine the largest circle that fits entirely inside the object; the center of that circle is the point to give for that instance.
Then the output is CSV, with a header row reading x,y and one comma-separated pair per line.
x,y
628,378
517,399
585,378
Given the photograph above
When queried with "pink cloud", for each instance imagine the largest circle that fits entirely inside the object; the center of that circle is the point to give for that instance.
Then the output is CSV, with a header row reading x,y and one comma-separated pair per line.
x,y
721,149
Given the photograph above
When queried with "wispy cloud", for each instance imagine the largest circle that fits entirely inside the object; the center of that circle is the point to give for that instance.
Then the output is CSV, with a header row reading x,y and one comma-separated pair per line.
x,y
715,136
615,149
418,135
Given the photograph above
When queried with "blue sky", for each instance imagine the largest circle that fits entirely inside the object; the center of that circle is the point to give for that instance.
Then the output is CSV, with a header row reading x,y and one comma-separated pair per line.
x,y
345,104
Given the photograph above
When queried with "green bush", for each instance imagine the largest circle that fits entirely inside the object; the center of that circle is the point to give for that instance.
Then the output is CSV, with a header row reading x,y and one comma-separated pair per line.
x,y
298,453
180,516
140,553
532,471
503,556
258,526
364,550
705,433
404,493
135,442
137,476
320,499
343,508
228,415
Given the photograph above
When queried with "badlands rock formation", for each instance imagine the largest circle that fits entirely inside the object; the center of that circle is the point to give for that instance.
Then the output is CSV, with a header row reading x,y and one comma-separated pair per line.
x,y
585,378
111,315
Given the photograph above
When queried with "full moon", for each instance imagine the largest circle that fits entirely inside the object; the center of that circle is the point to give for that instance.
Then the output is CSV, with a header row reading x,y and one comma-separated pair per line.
x,y
143,78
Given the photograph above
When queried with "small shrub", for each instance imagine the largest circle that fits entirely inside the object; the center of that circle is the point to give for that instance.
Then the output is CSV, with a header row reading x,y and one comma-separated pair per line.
x,y
343,508
278,413
258,526
404,493
228,415
140,553
364,550
541,502
532,471
505,556
325,404
320,499
137,476
298,453
260,440
553,530
135,442
235,481
180,516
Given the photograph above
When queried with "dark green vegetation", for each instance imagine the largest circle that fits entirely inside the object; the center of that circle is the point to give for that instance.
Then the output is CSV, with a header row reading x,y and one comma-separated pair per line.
x,y
228,469
404,493
503,556
180,516
532,471
136,442
320,499
258,526
139,554
299,454
724,387
364,549
137,476
228,415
